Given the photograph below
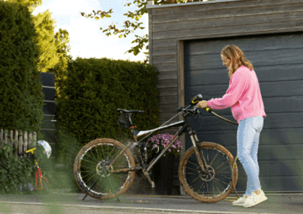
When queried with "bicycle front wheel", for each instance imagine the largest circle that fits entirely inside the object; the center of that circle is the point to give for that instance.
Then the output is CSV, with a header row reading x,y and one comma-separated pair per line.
x,y
90,168
215,186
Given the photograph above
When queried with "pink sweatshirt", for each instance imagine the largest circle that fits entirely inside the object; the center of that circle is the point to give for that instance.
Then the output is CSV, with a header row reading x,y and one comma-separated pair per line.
x,y
243,96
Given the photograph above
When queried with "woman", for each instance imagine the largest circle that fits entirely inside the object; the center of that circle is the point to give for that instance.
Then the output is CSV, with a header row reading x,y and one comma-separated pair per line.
x,y
244,98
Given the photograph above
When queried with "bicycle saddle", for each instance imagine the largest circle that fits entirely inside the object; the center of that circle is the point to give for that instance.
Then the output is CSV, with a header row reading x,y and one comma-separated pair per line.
x,y
130,111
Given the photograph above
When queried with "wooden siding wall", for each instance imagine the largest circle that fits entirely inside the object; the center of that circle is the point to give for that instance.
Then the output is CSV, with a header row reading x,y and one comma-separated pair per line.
x,y
173,23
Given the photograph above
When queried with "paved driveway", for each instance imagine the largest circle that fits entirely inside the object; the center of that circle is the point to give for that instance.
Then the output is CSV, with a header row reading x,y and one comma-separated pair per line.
x,y
72,204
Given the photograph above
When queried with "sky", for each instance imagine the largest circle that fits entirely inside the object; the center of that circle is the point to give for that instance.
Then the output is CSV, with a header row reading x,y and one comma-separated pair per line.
x,y
86,38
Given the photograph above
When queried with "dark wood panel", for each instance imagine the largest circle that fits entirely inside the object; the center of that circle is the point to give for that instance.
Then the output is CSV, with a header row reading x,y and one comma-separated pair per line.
x,y
168,75
47,79
275,184
190,7
165,58
258,58
168,92
49,93
168,108
285,172
46,122
166,66
49,108
276,153
282,168
49,136
150,39
167,84
269,137
208,22
268,89
163,50
164,43
169,100
274,105
257,9
273,27
264,74
165,118
271,121
268,42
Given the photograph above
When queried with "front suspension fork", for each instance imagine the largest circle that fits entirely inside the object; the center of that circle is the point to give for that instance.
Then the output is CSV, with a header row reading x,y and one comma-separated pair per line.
x,y
199,155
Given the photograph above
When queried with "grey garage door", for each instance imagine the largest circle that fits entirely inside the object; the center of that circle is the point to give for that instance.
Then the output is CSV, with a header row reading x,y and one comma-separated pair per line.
x,y
278,63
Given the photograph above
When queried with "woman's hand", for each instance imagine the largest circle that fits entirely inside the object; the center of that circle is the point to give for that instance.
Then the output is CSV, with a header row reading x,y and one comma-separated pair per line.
x,y
202,104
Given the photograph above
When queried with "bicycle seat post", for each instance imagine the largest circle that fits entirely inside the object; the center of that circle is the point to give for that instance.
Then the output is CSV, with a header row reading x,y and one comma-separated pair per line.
x,y
129,115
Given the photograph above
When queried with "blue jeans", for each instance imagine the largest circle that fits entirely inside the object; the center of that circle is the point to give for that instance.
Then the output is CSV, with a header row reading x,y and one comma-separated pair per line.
x,y
248,135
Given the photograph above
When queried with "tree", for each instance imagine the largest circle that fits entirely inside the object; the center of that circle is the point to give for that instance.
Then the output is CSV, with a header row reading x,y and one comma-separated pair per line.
x,y
60,69
44,25
32,4
48,56
130,27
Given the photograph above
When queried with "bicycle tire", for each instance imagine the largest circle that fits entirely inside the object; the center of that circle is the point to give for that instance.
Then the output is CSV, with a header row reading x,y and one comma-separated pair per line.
x,y
191,178
108,185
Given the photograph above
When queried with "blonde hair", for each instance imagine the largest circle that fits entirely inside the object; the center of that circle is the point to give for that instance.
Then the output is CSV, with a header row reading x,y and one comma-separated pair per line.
x,y
236,57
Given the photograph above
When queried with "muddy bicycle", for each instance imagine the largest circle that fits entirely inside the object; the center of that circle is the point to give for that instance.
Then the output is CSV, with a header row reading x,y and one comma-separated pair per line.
x,y
105,168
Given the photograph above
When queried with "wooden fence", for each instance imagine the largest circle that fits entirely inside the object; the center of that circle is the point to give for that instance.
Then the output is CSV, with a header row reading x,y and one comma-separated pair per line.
x,y
18,139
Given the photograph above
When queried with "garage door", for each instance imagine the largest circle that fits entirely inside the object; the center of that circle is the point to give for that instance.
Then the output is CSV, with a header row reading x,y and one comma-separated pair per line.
x,y
278,63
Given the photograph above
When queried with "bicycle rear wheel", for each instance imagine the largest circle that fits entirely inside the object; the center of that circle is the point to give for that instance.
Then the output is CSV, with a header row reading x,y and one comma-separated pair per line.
x,y
90,166
213,187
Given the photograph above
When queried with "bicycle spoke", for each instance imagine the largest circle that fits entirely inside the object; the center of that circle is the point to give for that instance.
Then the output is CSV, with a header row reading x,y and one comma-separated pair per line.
x,y
225,176
196,178
214,158
192,169
91,178
219,190
202,186
93,154
221,181
191,173
111,186
102,151
193,163
91,158
111,152
220,166
224,168
97,151
84,160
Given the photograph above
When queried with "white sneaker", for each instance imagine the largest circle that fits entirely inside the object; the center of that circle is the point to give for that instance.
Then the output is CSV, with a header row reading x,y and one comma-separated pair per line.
x,y
254,199
240,201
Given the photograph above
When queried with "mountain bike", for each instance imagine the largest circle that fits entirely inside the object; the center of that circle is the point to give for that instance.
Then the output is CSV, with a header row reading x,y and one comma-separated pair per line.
x,y
105,168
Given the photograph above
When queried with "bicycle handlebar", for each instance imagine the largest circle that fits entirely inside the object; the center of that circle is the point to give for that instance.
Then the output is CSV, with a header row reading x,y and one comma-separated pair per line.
x,y
195,110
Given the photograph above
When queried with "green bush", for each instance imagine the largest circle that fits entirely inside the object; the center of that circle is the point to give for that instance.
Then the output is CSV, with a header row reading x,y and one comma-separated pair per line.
x,y
14,171
21,88
95,88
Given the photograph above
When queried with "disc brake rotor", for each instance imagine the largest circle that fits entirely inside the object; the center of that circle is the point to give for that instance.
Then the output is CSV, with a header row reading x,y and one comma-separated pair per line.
x,y
101,168
206,177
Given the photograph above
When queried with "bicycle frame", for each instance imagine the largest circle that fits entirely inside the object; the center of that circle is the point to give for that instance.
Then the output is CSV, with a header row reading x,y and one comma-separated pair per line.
x,y
185,128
